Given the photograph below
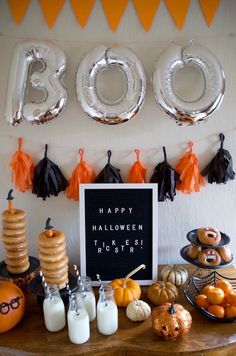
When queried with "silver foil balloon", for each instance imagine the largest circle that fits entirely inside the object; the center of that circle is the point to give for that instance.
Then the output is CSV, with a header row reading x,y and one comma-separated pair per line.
x,y
188,112
47,79
101,58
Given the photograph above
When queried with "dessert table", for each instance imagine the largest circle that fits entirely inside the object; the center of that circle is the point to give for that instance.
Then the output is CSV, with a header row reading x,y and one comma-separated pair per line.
x,y
207,337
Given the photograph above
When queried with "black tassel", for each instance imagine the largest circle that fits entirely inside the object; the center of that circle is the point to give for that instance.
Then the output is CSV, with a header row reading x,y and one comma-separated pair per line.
x,y
220,169
48,179
166,177
109,174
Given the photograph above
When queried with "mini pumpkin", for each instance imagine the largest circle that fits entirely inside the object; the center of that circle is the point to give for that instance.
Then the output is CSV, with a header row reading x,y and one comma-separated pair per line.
x,y
138,310
161,292
12,305
126,289
171,321
174,274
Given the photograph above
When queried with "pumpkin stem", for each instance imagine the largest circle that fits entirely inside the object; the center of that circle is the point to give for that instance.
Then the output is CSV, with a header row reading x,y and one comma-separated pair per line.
x,y
171,309
132,272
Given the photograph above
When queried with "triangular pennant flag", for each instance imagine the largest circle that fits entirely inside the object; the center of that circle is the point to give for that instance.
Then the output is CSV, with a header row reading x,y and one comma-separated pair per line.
x,y
18,9
51,10
146,11
209,8
82,10
114,11
178,10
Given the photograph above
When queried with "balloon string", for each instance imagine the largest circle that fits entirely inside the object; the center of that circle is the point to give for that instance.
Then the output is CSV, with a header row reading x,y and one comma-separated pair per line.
x,y
222,138
20,141
137,153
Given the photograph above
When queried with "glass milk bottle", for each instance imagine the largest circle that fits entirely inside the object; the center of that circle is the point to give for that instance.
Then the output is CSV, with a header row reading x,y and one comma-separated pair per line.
x,y
107,312
78,320
53,310
85,289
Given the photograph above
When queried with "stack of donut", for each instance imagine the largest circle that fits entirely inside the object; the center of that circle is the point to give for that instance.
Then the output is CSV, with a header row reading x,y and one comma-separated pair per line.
x,y
209,256
53,259
13,237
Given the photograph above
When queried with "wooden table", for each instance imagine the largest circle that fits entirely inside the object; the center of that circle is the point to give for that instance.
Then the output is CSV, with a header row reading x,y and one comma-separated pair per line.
x,y
133,338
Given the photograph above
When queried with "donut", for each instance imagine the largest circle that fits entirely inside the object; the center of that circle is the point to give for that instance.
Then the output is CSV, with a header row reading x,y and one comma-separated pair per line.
x,y
192,251
209,257
13,225
13,240
58,280
17,216
15,247
54,274
15,262
45,241
209,236
53,250
55,265
17,254
19,269
52,258
225,253
10,232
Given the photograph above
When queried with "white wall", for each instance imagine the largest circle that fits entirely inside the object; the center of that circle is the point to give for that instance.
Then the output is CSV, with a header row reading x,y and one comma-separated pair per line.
x,y
215,205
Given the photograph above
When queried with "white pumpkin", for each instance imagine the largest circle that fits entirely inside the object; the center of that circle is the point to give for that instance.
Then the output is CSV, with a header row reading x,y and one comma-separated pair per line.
x,y
174,274
138,310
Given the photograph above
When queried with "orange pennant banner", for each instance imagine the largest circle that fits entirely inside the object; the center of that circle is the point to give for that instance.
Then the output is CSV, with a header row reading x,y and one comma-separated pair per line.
x,y
178,10
82,9
114,11
18,9
146,11
209,8
51,10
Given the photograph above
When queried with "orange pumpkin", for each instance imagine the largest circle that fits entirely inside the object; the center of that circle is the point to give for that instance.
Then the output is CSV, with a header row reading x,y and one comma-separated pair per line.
x,y
171,321
161,292
126,289
12,305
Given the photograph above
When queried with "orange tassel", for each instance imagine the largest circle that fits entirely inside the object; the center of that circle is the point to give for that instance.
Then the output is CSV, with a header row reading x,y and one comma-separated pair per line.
x,y
137,172
190,175
83,173
22,169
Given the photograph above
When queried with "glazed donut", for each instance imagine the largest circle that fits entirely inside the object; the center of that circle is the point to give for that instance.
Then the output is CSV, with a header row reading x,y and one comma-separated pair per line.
x,y
225,253
15,262
13,225
17,216
52,258
17,254
209,236
53,250
209,257
9,232
13,240
55,265
15,247
19,269
192,251
45,241
54,274
58,280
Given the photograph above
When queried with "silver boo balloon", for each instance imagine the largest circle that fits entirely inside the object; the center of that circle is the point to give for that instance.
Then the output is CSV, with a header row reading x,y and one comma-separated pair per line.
x,y
101,58
47,79
176,57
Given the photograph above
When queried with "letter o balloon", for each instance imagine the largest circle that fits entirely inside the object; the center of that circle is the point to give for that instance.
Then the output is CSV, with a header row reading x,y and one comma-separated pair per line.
x,y
99,59
188,112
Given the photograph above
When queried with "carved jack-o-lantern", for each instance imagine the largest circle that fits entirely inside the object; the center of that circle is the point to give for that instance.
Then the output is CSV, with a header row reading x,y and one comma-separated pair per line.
x,y
171,321
12,305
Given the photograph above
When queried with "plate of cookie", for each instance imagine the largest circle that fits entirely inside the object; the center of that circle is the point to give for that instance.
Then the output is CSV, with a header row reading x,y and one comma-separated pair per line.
x,y
210,258
208,237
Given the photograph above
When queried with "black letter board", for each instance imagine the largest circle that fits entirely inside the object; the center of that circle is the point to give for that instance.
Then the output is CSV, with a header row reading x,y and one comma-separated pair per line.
x,y
118,230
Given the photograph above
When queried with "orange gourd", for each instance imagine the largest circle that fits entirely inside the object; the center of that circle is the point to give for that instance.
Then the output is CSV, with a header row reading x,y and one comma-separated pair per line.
x,y
126,289
12,305
161,292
